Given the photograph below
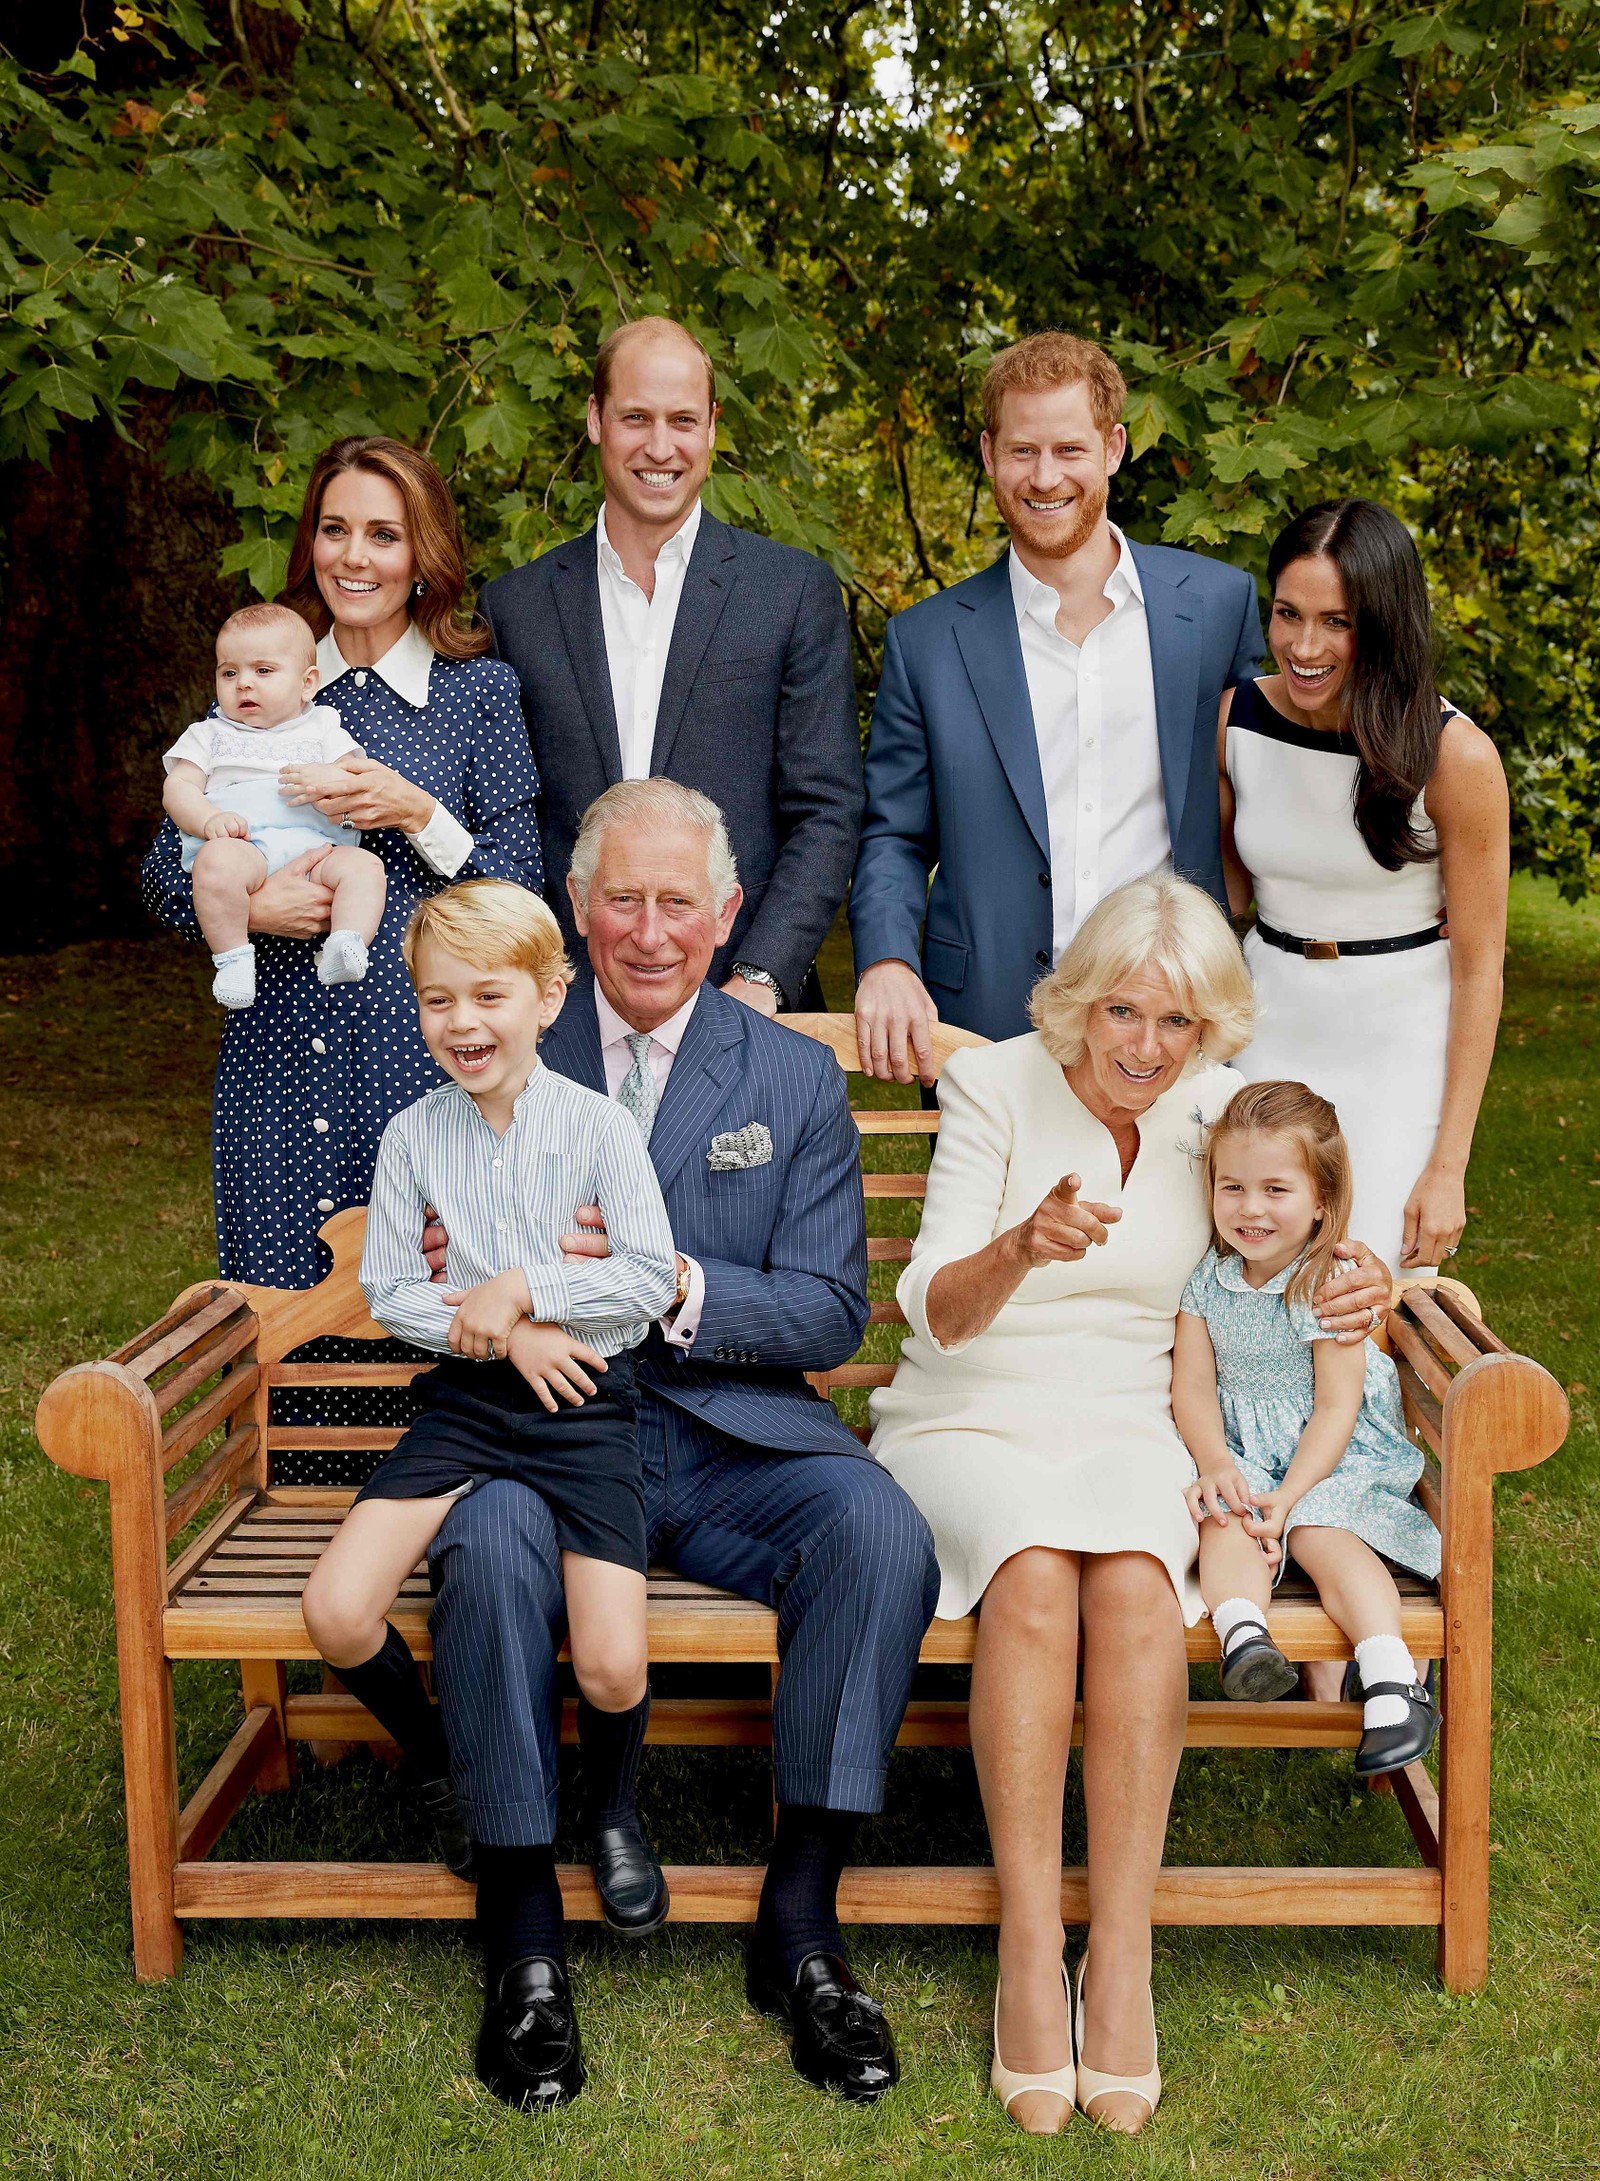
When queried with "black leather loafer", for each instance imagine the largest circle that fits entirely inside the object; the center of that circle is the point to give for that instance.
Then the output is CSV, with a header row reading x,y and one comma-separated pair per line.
x,y
528,2052
841,2039
1388,1749
436,1799
633,1892
1255,1671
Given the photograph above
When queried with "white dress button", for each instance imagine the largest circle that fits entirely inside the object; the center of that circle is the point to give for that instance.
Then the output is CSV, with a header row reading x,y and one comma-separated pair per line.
x,y
320,1125
499,1163
361,677
317,1045
324,1204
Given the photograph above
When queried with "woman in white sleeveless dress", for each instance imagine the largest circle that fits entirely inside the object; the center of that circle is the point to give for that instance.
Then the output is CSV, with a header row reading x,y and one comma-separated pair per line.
x,y
1364,817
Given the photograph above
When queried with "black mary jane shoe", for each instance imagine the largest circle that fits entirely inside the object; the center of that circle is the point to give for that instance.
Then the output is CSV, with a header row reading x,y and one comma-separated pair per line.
x,y
436,1800
633,1892
1390,1749
528,2051
841,2038
1255,1671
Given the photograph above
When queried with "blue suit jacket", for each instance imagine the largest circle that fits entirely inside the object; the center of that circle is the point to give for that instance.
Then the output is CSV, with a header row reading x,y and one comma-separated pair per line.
x,y
954,787
783,1245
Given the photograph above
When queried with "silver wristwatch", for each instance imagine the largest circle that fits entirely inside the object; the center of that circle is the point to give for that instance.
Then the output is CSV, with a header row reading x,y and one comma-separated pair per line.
x,y
752,974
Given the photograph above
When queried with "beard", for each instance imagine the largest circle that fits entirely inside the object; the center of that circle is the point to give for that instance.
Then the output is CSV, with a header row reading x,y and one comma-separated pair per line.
x,y
1053,537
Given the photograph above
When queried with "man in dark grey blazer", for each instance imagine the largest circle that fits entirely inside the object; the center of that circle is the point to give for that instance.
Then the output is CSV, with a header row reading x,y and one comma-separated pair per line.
x,y
663,642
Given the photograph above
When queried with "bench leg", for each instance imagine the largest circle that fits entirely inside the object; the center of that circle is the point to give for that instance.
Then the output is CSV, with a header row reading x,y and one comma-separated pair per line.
x,y
266,1681
1464,1820
150,1774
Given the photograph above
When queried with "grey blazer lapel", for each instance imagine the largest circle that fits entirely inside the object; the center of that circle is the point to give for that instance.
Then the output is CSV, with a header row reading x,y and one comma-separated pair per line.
x,y
707,586
577,590
1171,616
987,635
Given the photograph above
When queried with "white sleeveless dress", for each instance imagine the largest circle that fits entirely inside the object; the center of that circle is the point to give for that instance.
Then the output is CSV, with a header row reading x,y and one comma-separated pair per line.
x,y
1370,1031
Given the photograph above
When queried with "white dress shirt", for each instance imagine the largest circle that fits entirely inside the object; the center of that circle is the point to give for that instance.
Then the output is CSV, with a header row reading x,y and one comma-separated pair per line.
x,y
638,634
444,844
679,1326
1094,716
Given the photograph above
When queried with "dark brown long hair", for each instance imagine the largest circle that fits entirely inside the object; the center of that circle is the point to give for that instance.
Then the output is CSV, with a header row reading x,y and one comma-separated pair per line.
x,y
1393,709
441,563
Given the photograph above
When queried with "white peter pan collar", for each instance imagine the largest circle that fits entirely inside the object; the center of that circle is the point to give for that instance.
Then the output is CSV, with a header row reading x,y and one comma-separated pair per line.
x,y
405,666
1230,1274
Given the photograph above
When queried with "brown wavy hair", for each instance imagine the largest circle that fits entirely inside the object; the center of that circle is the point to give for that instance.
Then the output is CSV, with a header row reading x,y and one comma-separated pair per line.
x,y
435,529
1289,1109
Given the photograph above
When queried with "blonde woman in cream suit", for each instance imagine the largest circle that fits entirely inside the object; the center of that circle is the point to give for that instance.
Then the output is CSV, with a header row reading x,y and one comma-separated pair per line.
x,y
1030,1420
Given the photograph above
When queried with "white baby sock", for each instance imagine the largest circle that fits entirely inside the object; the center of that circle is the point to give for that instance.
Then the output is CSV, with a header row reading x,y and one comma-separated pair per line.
x,y
343,959
235,982
1384,1658
1232,1617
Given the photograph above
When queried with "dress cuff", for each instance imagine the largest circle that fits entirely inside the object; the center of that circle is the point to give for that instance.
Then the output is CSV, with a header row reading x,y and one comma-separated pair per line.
x,y
444,844
680,1326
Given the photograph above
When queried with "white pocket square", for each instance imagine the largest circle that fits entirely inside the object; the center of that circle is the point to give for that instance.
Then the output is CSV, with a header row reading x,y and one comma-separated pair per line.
x,y
740,1147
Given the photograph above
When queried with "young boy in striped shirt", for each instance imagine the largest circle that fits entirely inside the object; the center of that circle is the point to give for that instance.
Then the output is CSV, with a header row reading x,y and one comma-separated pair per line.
x,y
537,1383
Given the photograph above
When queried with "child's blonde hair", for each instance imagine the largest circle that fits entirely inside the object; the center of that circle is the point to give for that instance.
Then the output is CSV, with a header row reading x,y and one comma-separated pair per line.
x,y
492,924
1290,1109
269,615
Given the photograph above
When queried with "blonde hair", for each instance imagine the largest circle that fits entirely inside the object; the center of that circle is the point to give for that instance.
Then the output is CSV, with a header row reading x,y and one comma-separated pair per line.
x,y
656,802
273,617
492,924
1160,926
1290,1109
1055,359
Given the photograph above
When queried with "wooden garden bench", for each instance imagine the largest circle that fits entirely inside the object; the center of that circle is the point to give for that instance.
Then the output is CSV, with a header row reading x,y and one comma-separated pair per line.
x,y
188,1398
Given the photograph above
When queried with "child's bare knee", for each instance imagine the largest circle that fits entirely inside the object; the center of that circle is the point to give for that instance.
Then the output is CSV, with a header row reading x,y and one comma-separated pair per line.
x,y
337,1624
613,1678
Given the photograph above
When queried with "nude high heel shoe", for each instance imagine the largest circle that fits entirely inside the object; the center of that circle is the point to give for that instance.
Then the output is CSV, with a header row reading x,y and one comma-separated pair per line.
x,y
1061,2082
1092,2085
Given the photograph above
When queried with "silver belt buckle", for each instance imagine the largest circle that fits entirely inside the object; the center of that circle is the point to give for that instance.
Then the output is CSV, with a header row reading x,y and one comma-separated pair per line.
x,y
1320,950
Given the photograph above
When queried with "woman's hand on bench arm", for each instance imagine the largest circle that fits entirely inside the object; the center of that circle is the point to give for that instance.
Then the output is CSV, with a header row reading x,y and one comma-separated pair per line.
x,y
1355,1300
293,903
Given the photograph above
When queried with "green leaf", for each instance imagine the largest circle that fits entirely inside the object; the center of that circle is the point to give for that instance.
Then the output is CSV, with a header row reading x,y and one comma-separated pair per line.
x,y
478,304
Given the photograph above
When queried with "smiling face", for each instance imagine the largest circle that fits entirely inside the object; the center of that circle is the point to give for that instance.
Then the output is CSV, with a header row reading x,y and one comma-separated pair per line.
x,y
1136,1043
265,675
364,557
1050,464
651,919
656,431
1313,638
1263,1201
483,1025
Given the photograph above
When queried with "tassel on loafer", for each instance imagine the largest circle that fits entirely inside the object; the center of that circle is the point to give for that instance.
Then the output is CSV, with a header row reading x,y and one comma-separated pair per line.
x,y
528,2052
841,2037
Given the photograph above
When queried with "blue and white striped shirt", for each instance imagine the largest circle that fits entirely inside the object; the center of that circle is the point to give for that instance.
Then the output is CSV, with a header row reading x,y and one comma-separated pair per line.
x,y
506,1201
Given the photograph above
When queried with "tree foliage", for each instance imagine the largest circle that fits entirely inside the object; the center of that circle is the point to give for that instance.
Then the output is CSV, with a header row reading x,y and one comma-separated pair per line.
x,y
1336,248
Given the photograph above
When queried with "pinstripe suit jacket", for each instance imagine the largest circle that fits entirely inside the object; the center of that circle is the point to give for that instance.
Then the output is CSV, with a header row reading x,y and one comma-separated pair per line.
x,y
783,1245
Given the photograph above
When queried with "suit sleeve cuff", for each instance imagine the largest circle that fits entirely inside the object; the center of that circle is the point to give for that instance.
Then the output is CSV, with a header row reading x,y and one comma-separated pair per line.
x,y
680,1326
444,844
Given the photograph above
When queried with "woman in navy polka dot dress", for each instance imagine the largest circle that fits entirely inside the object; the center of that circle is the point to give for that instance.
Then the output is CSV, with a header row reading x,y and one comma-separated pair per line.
x,y
309,1077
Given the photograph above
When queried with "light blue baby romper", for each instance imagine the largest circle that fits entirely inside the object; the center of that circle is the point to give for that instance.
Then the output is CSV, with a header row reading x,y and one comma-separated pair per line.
x,y
1266,1388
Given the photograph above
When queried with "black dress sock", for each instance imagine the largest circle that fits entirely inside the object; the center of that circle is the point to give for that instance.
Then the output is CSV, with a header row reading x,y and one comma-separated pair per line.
x,y
390,1686
519,1907
799,1911
610,1743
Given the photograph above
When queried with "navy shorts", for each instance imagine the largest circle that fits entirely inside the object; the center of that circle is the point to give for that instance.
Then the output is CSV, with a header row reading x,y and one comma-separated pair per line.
x,y
483,1420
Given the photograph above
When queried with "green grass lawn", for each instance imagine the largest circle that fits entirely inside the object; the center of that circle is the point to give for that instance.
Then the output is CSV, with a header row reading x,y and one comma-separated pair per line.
x,y
345,2049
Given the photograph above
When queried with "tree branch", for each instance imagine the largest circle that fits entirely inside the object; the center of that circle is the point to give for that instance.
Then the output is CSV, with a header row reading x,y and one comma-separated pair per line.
x,y
465,127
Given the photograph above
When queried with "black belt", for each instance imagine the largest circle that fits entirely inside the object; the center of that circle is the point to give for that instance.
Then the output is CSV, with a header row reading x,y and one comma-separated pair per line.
x,y
1333,950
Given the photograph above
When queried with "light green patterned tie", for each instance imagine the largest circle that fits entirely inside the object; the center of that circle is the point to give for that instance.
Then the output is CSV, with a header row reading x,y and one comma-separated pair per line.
x,y
638,1092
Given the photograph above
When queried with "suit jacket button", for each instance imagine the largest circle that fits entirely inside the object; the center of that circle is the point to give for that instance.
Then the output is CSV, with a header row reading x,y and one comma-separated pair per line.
x,y
1044,878
1042,959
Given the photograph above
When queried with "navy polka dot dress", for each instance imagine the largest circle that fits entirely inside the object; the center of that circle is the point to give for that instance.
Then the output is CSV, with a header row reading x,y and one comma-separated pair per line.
x,y
309,1077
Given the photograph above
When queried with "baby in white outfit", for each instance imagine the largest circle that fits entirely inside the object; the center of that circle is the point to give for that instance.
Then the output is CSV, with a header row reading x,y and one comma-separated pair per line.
x,y
242,822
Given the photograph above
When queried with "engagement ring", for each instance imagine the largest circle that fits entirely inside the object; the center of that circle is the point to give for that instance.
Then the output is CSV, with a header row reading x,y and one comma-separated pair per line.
x,y
1450,1252
491,1351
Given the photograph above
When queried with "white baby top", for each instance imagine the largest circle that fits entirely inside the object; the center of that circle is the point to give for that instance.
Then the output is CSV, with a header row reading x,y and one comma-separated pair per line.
x,y
231,756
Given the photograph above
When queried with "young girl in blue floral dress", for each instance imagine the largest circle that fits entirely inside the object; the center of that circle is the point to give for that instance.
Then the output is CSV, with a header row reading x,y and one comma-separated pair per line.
x,y
1299,1443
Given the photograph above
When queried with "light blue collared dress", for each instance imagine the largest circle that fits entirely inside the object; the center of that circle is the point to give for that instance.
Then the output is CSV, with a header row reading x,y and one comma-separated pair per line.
x,y
1266,1387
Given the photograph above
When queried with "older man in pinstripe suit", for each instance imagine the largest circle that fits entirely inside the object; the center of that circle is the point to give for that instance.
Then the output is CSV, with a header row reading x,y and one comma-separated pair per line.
x,y
752,1481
